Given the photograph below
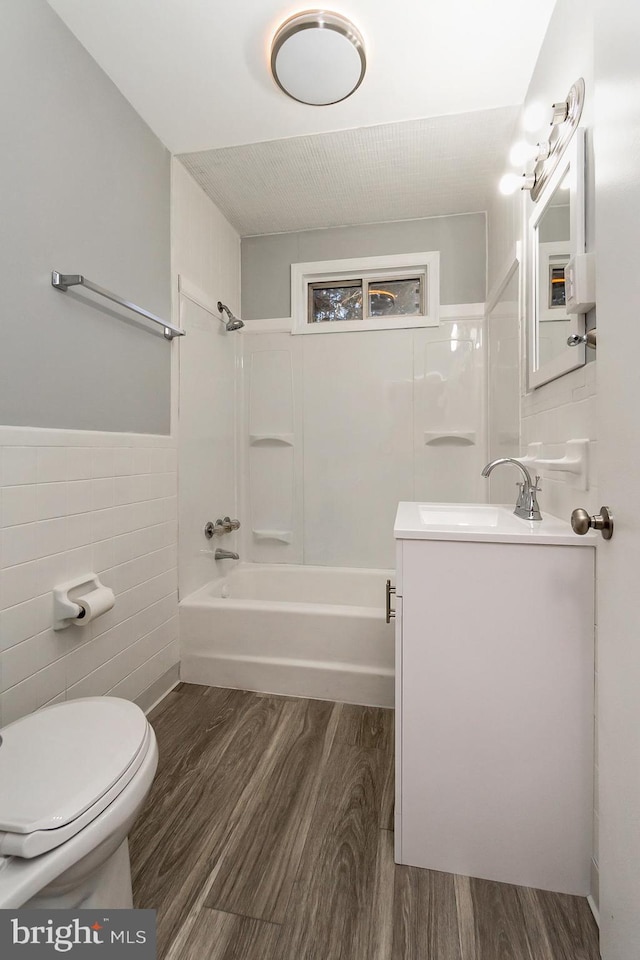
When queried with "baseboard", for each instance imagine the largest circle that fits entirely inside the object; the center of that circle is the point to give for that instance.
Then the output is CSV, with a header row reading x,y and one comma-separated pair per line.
x,y
158,690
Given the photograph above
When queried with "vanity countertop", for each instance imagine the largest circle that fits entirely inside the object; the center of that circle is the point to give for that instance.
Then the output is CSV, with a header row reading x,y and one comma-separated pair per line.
x,y
483,522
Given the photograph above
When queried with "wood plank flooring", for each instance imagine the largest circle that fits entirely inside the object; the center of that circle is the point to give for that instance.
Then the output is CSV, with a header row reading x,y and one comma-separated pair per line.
x,y
267,835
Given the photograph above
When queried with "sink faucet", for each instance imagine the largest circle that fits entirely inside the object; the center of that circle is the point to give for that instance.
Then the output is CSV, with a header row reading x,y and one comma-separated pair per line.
x,y
225,555
527,503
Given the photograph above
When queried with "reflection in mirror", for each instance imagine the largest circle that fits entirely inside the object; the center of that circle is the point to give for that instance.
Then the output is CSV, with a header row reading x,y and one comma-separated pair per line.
x,y
553,235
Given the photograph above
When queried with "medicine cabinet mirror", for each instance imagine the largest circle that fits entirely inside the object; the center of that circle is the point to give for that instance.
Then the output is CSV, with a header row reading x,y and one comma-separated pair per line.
x,y
556,233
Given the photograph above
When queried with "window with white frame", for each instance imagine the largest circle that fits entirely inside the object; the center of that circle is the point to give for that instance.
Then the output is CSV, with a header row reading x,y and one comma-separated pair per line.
x,y
372,293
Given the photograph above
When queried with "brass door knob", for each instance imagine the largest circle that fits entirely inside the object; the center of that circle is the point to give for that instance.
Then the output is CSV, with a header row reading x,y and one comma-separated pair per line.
x,y
582,522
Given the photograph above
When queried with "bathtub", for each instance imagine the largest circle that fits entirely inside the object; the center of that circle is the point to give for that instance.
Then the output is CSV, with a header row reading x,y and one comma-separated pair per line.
x,y
302,631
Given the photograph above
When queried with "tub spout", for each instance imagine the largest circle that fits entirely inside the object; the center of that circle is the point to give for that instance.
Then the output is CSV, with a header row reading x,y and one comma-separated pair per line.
x,y
226,555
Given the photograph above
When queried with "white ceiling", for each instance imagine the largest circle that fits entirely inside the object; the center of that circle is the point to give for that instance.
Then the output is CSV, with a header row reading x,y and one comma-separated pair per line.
x,y
397,171
197,70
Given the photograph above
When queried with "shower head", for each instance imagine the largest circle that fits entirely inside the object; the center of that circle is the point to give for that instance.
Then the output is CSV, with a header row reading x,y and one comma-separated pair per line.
x,y
233,323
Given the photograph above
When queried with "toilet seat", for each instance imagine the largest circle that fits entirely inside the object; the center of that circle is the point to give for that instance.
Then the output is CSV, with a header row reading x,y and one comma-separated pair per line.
x,y
62,766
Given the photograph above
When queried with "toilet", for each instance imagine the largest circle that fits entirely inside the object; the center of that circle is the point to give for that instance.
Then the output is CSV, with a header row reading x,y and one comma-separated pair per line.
x,y
73,778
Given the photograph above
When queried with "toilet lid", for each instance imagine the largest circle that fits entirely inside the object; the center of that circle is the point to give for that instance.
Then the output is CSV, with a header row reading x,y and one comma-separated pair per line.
x,y
57,763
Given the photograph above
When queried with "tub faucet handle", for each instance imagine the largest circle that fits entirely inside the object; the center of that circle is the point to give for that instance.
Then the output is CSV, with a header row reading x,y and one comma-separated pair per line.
x,y
220,527
212,529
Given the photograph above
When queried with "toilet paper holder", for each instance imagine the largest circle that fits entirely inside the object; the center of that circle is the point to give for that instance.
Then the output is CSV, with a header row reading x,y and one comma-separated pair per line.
x,y
69,601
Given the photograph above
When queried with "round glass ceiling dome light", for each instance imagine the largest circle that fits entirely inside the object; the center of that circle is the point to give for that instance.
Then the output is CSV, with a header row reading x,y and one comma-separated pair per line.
x,y
318,57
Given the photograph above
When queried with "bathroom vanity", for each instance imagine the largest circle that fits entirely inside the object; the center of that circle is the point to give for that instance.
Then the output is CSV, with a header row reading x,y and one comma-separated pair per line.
x,y
494,695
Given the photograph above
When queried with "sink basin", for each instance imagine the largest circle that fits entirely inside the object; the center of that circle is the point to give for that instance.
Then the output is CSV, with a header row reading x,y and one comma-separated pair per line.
x,y
481,521
458,515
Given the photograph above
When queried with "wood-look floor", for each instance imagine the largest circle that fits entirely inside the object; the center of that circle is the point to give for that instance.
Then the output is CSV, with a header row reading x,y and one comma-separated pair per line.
x,y
268,836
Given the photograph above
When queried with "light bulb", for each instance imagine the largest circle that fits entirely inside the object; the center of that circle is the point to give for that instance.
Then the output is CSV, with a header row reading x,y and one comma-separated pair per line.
x,y
516,181
521,153
510,183
534,117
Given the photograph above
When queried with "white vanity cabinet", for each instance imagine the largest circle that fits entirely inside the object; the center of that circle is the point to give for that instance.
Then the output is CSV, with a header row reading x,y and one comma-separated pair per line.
x,y
494,696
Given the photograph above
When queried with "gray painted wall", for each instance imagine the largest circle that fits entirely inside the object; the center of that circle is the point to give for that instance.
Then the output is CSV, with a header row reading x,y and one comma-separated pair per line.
x,y
461,240
85,189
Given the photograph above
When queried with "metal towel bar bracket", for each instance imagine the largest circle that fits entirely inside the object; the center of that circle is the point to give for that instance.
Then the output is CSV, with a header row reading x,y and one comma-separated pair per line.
x,y
62,281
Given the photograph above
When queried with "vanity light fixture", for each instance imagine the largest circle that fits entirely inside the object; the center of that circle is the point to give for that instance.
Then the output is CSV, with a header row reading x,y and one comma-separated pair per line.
x,y
541,159
318,57
560,112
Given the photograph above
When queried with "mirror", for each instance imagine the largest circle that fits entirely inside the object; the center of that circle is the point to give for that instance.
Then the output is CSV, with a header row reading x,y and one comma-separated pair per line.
x,y
556,233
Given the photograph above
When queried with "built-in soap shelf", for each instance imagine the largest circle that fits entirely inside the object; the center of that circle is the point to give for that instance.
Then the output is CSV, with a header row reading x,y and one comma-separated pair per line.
x,y
284,438
574,461
457,437
531,457
282,536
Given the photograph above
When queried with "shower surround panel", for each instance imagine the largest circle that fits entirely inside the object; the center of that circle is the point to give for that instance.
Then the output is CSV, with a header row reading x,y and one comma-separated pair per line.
x,y
338,429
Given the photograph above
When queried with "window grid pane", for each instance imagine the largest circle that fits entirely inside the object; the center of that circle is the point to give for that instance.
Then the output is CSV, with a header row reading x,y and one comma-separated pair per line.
x,y
397,297
335,300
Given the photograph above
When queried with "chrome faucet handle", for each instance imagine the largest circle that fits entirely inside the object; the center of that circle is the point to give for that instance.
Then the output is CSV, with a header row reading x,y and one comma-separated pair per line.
x,y
230,525
212,529
532,510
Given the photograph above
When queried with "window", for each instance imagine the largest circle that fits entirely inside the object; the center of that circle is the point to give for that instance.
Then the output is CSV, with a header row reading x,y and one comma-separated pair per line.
x,y
376,293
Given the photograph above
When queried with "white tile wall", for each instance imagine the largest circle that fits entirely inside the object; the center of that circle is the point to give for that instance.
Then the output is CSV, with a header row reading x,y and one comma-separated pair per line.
x,y
562,410
71,503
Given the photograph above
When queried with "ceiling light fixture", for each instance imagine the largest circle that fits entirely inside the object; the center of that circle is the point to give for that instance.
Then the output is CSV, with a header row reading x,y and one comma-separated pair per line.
x,y
318,57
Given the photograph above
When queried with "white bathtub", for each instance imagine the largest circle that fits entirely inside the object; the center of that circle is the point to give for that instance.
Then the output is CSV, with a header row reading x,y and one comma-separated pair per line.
x,y
302,631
